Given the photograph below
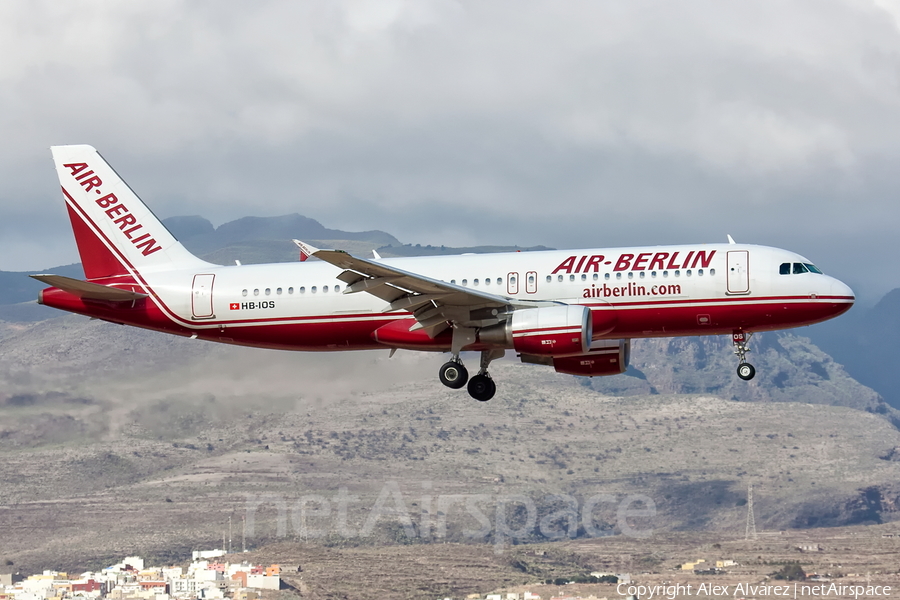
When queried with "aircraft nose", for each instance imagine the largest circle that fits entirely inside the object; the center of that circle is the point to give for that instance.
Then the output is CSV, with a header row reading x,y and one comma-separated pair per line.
x,y
842,290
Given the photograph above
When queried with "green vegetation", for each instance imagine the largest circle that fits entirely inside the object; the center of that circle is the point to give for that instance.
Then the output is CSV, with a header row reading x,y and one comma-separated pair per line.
x,y
790,572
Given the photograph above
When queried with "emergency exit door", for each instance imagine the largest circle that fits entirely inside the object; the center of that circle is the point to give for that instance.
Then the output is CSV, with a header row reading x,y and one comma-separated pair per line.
x,y
738,271
201,297
512,283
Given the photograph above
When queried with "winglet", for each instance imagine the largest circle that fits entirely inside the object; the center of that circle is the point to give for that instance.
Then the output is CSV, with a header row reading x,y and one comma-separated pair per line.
x,y
375,254
305,250
731,239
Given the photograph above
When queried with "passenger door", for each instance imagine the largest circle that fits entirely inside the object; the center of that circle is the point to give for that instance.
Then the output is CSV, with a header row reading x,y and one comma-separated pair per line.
x,y
738,263
201,297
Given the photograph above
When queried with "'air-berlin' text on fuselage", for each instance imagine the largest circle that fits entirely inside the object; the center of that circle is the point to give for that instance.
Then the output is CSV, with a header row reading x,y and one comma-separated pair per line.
x,y
645,261
115,210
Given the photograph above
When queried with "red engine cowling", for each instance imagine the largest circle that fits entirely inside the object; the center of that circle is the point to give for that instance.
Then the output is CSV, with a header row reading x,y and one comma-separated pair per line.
x,y
606,357
546,331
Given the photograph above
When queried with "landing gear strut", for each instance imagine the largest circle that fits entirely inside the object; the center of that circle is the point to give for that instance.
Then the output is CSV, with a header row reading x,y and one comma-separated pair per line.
x,y
745,370
481,387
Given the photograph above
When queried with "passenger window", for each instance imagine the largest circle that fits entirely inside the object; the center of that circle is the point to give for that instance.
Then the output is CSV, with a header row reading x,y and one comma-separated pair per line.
x,y
453,281
618,276
499,281
596,276
800,268
784,269
677,273
268,291
475,282
712,271
643,274
559,278
337,288
278,291
606,276
549,278
313,289
583,277
700,272
652,273
244,293
324,289
302,289
531,279
665,273
487,281
465,282
688,272
256,292
290,290
630,275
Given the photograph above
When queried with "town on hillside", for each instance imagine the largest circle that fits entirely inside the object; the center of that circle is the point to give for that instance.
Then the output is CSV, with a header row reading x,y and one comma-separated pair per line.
x,y
205,578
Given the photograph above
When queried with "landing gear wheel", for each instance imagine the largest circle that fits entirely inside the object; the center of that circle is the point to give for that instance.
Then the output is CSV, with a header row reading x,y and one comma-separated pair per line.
x,y
746,371
482,388
453,374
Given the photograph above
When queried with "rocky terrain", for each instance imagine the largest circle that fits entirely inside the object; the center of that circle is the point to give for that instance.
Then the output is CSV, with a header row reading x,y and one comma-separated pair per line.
x,y
863,340
119,441
115,440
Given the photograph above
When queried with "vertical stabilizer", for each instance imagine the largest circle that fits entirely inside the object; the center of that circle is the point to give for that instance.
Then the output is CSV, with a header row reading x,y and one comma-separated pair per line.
x,y
115,231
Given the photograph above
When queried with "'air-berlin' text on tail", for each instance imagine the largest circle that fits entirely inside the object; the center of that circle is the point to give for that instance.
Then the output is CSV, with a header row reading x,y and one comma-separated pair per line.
x,y
115,232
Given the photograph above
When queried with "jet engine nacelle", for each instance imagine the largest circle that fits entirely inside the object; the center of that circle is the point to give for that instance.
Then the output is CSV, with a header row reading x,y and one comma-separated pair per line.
x,y
545,331
606,357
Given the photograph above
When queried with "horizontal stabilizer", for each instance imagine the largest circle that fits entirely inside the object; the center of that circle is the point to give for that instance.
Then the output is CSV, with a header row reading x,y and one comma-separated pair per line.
x,y
88,290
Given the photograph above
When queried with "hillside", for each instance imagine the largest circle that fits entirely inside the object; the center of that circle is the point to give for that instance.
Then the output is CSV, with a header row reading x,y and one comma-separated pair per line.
x,y
200,237
789,369
863,341
97,449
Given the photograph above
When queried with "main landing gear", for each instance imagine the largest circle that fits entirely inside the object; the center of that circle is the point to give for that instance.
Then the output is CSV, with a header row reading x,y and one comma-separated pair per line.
x,y
453,374
745,370
481,387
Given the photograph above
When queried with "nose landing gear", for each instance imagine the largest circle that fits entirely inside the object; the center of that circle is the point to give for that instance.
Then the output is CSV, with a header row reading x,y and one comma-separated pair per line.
x,y
481,387
745,370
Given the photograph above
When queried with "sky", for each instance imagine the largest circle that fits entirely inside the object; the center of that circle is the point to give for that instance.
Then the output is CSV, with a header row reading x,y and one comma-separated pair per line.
x,y
567,124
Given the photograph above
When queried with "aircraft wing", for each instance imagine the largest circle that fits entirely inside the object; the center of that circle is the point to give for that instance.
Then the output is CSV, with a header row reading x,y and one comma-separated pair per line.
x,y
434,303
88,290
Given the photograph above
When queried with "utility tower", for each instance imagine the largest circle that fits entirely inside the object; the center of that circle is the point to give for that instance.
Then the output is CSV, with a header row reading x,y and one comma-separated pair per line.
x,y
750,534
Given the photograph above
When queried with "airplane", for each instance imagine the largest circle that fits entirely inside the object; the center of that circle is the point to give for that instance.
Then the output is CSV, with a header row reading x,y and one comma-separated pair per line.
x,y
574,310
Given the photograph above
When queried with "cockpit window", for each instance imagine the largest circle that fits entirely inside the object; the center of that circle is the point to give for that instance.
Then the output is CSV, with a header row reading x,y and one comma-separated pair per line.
x,y
798,268
813,268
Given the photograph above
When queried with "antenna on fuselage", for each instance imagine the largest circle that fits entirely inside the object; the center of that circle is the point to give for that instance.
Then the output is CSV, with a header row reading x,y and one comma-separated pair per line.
x,y
730,239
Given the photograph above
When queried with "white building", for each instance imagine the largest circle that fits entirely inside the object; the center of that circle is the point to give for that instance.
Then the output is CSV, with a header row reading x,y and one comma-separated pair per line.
x,y
267,582
201,554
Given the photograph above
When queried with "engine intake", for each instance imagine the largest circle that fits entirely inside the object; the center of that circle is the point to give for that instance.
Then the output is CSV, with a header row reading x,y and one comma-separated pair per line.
x,y
545,331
